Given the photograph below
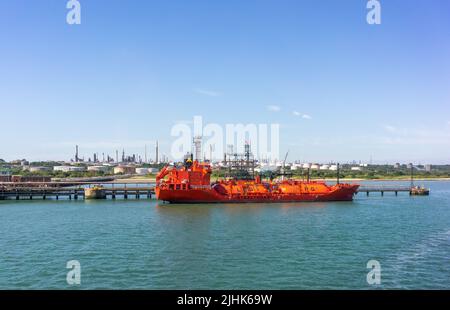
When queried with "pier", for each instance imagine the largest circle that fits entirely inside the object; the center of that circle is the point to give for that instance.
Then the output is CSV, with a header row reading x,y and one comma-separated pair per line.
x,y
383,189
57,191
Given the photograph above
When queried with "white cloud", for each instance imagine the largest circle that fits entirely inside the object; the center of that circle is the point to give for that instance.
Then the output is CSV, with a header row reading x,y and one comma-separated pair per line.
x,y
390,128
305,116
206,92
273,108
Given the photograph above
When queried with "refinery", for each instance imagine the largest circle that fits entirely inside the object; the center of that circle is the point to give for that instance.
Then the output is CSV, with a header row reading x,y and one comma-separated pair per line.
x,y
129,165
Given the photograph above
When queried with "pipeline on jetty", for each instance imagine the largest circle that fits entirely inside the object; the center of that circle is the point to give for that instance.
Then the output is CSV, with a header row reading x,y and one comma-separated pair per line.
x,y
72,191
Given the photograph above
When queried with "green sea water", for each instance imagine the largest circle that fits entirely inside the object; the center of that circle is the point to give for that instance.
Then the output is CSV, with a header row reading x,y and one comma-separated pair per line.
x,y
145,244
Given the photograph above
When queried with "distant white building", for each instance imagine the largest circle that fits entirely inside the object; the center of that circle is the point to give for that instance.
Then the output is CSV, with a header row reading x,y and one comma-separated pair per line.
x,y
39,169
356,169
333,167
99,168
142,171
296,166
69,168
153,170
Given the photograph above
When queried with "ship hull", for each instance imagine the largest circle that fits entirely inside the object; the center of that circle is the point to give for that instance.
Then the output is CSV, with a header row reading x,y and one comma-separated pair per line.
x,y
211,196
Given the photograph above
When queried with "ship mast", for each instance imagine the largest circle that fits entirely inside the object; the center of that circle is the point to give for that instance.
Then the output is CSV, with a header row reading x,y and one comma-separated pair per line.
x,y
240,166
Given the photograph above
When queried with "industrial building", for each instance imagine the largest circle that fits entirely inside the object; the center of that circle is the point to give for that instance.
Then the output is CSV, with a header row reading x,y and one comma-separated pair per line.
x,y
69,168
104,169
38,169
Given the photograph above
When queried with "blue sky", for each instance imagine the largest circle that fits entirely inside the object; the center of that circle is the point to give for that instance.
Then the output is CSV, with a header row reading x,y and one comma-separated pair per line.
x,y
132,69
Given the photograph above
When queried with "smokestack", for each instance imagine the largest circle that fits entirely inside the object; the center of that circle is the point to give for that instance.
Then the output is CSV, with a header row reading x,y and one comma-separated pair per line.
x,y
76,153
145,157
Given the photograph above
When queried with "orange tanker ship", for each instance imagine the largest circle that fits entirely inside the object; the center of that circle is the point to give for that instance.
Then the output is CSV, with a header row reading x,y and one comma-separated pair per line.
x,y
191,184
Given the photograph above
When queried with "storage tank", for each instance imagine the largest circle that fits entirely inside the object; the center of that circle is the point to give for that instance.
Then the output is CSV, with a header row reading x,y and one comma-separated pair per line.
x,y
142,171
124,170
98,168
315,166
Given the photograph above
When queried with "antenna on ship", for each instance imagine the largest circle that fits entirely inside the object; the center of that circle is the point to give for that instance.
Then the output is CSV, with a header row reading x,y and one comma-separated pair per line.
x,y
337,176
197,141
284,165
210,153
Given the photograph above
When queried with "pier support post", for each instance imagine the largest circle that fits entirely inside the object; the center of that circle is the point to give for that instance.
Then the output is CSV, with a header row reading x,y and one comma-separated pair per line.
x,y
125,195
31,197
382,193
17,197
57,197
149,195
75,196
367,193
113,196
396,193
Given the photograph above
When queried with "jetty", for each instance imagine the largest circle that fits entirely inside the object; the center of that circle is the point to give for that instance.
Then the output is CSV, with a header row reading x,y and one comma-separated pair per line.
x,y
70,190
383,189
